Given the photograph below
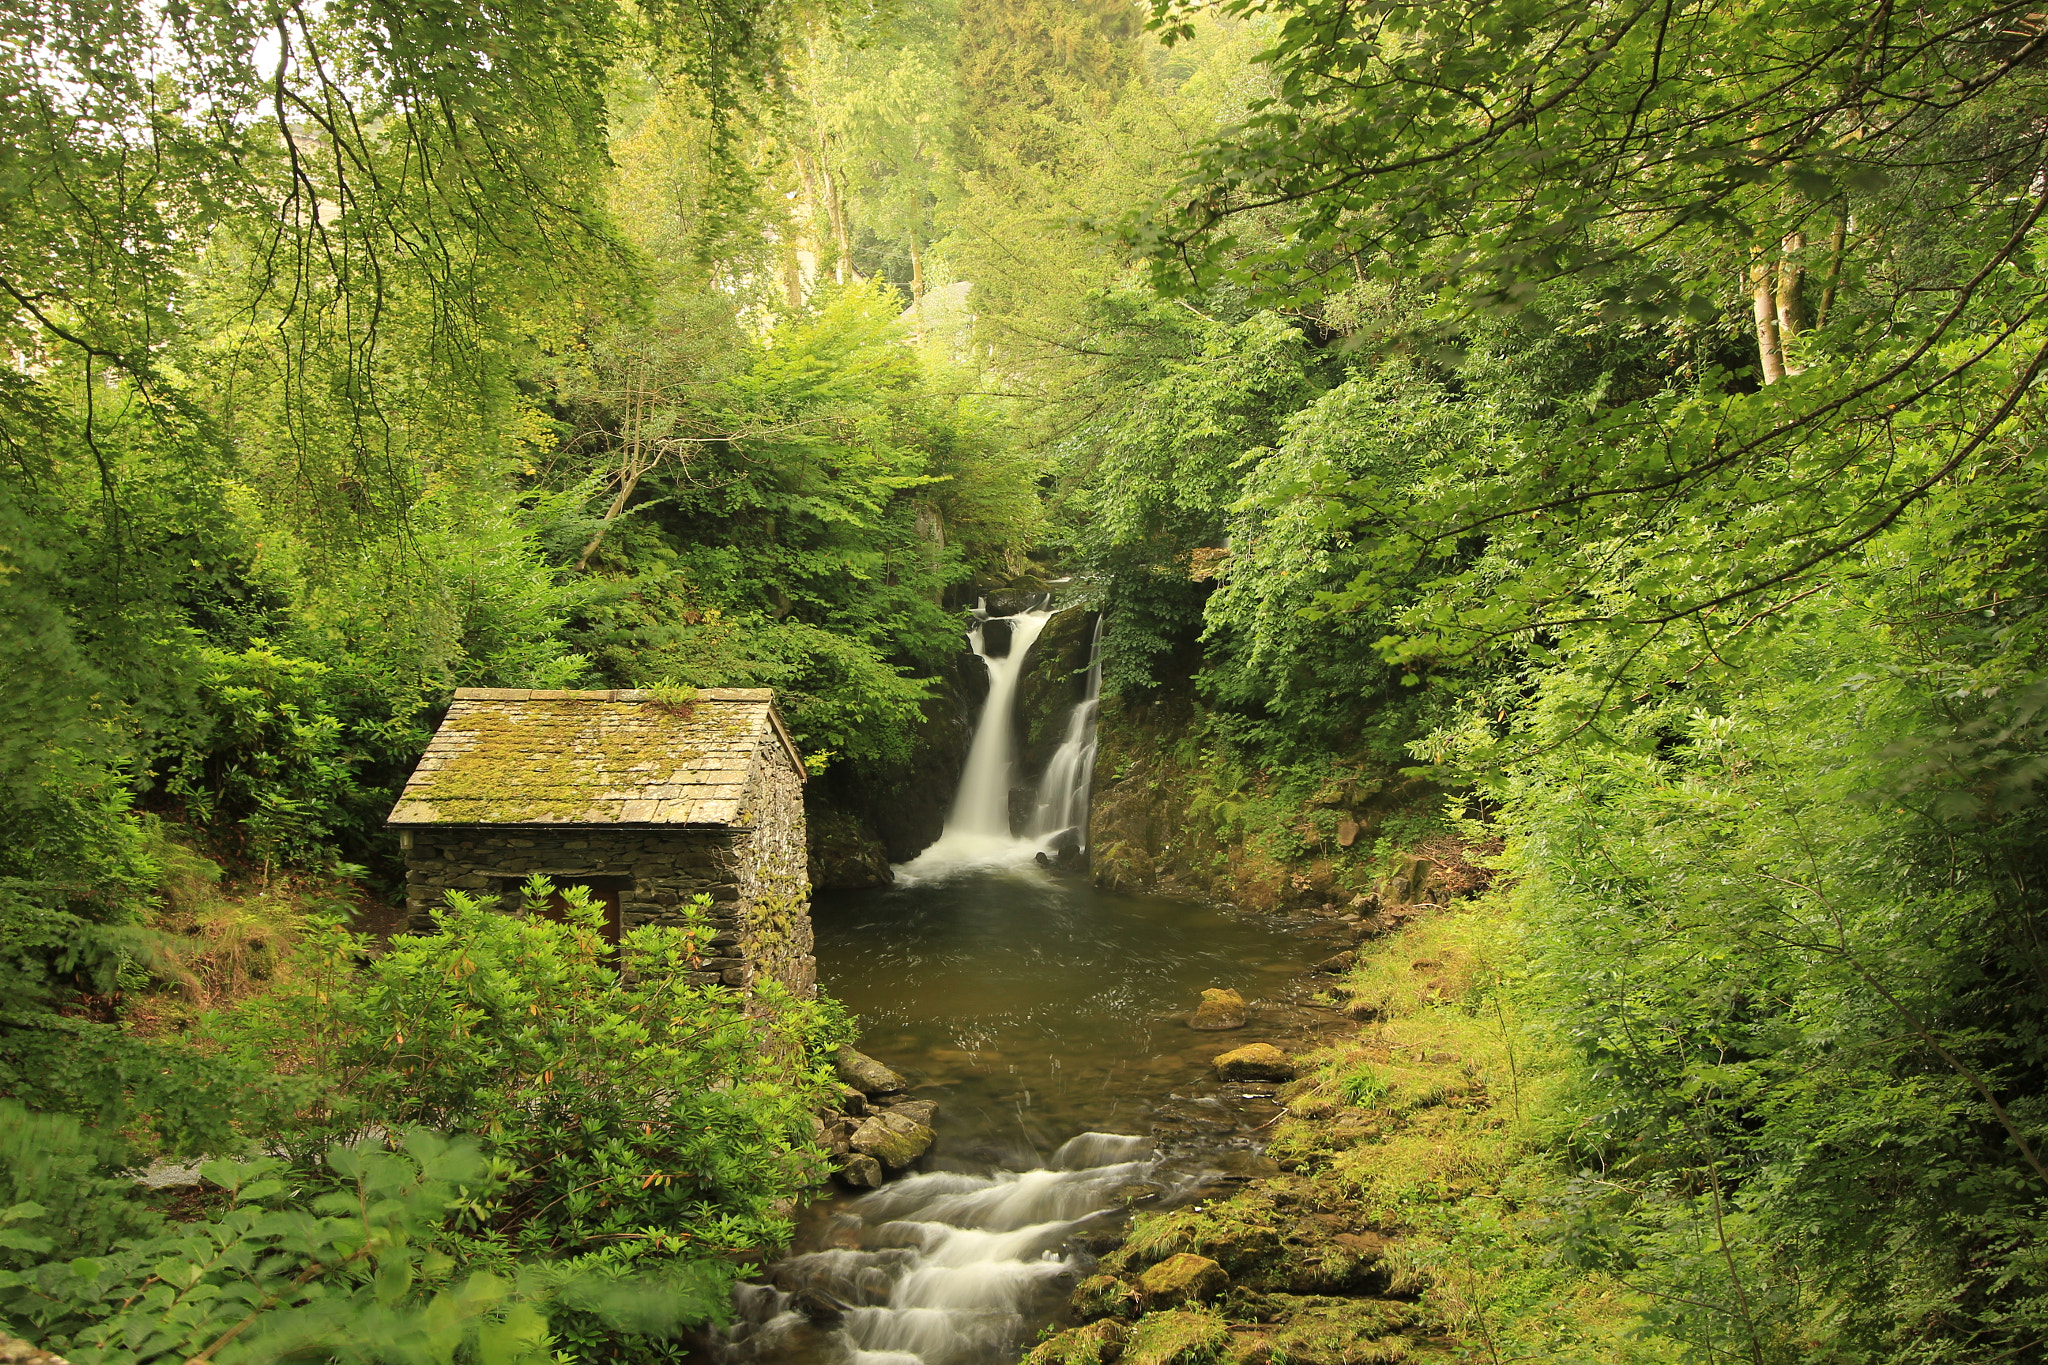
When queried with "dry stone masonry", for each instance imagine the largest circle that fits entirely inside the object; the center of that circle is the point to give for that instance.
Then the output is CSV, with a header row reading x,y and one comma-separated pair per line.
x,y
648,802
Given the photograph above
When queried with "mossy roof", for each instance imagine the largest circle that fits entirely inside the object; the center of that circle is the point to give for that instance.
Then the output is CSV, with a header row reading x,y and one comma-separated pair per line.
x,y
514,757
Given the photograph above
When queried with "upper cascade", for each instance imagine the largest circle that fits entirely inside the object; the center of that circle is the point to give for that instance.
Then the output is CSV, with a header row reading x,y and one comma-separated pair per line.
x,y
979,831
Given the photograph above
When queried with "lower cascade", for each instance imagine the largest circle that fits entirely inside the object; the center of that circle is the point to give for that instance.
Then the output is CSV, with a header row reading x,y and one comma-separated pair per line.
x,y
939,1269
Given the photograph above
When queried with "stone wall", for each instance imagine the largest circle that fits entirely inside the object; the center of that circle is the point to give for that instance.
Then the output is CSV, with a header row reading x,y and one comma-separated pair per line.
x,y
754,874
772,874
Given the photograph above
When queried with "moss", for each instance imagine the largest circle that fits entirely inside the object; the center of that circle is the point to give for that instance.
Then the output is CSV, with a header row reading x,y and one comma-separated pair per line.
x,y
1102,1296
1097,1343
1185,1336
545,761
1183,1278
1358,1332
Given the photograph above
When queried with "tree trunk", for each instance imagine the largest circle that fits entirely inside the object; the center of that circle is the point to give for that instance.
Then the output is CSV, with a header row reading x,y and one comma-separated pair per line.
x,y
1770,347
1838,242
633,462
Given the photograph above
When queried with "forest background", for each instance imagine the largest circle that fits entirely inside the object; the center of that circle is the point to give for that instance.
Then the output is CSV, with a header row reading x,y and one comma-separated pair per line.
x,y
1618,418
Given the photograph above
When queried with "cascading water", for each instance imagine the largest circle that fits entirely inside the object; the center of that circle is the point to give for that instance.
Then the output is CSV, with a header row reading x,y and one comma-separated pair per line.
x,y
977,831
981,808
938,1269
1063,796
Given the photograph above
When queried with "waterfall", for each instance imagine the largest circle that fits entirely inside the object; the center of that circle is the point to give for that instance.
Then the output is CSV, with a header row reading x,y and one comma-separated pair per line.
x,y
938,1269
977,832
981,808
1063,795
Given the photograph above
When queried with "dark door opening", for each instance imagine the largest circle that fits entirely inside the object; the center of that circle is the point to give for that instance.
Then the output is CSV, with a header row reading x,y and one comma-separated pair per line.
x,y
606,892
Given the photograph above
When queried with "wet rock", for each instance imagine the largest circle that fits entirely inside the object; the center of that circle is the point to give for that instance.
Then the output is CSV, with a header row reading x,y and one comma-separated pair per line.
x,y
1136,1193
865,1074
1255,1062
891,1138
918,1111
1337,963
1220,1009
1182,1278
838,1136
861,1172
818,1308
1048,689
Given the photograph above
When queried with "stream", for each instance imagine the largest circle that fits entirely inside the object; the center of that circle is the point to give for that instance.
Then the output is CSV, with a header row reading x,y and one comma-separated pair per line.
x,y
1048,1019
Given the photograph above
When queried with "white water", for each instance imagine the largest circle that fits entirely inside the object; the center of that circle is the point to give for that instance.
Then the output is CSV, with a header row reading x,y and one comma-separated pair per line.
x,y
938,1269
977,833
1063,795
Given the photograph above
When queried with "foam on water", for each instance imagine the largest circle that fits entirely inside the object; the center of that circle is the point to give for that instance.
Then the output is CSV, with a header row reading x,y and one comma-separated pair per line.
x,y
937,1269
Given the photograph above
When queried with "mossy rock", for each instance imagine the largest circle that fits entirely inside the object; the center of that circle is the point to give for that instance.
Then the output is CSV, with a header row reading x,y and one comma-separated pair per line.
x,y
1220,1009
1103,1296
1183,1278
1236,1233
1254,1062
1098,1343
1183,1336
895,1140
865,1074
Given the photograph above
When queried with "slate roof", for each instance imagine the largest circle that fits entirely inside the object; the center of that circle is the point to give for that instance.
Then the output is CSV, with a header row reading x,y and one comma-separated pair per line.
x,y
516,757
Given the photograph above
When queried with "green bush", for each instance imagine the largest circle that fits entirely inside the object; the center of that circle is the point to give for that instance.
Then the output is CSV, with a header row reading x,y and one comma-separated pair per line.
x,y
625,1113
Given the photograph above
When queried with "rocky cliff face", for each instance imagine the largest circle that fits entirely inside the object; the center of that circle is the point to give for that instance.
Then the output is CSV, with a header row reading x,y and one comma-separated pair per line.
x,y
860,826
1161,821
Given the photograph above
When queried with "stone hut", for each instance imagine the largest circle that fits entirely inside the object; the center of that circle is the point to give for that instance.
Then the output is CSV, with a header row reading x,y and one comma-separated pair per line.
x,y
646,803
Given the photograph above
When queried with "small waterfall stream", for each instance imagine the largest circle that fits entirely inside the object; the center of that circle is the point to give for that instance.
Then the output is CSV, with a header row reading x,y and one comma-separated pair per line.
x,y
943,1268
1063,795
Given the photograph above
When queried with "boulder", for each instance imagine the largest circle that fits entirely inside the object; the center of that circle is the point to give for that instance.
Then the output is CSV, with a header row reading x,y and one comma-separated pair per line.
x,y
865,1074
1220,1009
1101,1296
1337,963
1255,1062
918,1111
861,1172
1182,1278
851,1101
891,1138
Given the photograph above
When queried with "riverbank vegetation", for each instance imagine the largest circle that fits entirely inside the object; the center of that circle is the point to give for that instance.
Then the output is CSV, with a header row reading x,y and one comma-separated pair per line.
x,y
1599,439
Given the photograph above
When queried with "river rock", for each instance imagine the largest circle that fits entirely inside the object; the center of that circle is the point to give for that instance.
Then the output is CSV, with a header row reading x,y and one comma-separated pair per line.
x,y
1337,963
1220,1009
861,1172
818,1308
851,1101
917,1111
1255,1062
891,1138
865,1074
1182,1278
